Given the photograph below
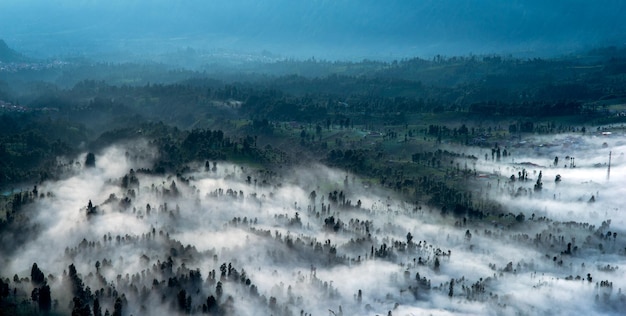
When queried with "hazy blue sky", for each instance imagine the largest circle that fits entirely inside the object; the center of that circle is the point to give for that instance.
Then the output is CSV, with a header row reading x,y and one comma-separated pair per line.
x,y
305,28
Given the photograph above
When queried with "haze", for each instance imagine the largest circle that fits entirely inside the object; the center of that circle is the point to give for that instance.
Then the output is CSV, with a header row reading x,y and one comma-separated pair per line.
x,y
345,29
312,157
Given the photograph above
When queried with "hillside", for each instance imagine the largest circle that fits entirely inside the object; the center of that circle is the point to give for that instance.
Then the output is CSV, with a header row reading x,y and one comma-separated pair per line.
x,y
8,55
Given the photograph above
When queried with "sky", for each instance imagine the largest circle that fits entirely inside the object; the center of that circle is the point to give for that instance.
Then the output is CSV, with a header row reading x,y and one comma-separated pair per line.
x,y
340,29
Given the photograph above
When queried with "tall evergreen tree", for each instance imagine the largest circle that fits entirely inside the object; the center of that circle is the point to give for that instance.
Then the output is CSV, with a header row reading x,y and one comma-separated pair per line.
x,y
36,276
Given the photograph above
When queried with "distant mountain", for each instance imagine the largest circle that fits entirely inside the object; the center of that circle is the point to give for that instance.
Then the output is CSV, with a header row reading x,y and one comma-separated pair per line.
x,y
8,55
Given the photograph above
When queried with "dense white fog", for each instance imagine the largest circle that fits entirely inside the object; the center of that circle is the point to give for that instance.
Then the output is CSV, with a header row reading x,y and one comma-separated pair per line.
x,y
271,246
426,218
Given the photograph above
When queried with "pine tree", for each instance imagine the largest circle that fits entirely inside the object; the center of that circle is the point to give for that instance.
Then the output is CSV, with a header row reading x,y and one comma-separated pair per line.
x,y
97,310
451,291
36,276
90,160
45,299
117,308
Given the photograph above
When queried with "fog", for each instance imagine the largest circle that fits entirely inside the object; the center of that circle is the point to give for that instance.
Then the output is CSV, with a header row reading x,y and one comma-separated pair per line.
x,y
345,29
277,251
539,229
583,170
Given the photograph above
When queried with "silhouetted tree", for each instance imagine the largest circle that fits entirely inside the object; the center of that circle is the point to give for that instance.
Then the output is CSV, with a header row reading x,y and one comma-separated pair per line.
x,y
97,310
273,304
80,308
36,276
4,289
76,281
45,299
539,184
218,289
211,304
182,301
90,160
451,290
117,307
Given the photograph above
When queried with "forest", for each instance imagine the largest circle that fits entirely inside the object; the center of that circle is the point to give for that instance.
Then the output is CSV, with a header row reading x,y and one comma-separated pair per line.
x,y
476,184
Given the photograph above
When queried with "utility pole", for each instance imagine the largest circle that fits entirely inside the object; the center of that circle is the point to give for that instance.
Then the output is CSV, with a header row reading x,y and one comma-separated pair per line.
x,y
608,171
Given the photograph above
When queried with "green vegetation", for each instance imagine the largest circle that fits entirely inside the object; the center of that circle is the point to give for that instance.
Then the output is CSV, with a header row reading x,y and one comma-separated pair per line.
x,y
414,127
358,116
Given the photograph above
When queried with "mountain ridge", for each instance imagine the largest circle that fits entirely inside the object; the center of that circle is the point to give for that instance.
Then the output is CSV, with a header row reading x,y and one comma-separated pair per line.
x,y
9,55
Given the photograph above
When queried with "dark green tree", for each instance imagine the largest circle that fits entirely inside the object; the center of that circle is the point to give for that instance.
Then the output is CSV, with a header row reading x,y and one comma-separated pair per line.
x,y
90,160
97,310
451,291
218,289
4,289
45,299
211,304
77,282
117,307
80,308
182,301
36,276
